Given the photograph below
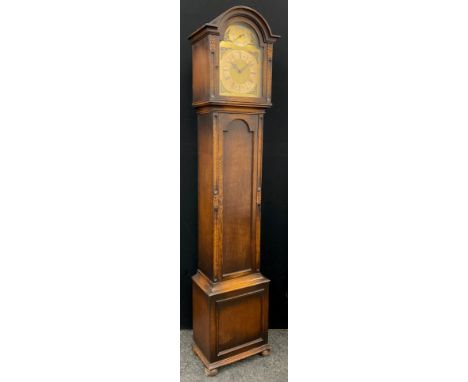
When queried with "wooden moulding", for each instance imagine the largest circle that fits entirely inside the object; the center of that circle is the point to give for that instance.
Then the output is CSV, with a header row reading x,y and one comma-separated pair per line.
x,y
211,289
264,349
212,108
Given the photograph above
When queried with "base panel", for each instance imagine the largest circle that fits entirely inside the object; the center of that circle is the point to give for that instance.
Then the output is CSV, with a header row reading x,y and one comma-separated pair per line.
x,y
230,319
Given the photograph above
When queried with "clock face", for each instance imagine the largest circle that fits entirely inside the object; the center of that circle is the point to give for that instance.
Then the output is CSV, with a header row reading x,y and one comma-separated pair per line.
x,y
239,72
240,62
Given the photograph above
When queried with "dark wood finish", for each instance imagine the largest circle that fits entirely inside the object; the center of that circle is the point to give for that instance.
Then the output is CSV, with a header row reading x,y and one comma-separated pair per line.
x,y
230,295
205,194
230,317
238,159
240,322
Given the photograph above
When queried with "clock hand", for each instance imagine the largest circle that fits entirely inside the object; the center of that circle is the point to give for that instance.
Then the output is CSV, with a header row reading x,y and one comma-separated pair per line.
x,y
235,67
245,67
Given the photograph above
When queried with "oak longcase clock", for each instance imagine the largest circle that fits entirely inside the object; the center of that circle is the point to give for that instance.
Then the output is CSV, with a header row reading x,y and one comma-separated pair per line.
x,y
232,73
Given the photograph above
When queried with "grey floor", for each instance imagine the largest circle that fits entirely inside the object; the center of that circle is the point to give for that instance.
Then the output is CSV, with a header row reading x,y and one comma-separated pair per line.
x,y
273,368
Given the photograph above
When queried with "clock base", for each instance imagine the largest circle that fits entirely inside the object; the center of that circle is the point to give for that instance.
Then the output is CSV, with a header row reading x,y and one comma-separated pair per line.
x,y
211,368
230,318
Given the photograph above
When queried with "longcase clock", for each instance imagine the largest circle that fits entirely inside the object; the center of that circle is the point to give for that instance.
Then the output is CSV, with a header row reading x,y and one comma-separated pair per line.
x,y
232,74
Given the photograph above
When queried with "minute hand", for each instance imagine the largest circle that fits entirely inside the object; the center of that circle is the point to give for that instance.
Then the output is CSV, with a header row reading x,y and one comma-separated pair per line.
x,y
245,67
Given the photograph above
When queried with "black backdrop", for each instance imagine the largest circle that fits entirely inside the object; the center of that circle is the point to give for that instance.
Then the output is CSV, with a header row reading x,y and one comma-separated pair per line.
x,y
274,243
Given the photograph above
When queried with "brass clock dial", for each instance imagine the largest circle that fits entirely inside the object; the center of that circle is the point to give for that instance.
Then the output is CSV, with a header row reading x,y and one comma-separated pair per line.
x,y
239,72
240,62
239,35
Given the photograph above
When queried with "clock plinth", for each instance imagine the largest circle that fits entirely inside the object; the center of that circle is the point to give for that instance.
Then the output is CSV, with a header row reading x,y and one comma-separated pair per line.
x,y
230,318
231,91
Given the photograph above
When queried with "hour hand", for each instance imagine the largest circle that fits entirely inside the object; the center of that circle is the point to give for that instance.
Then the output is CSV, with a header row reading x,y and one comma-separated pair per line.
x,y
235,67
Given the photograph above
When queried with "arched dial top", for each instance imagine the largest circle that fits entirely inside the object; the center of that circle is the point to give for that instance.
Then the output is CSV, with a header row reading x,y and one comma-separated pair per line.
x,y
241,34
240,57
